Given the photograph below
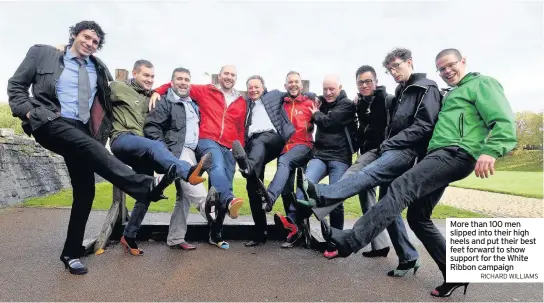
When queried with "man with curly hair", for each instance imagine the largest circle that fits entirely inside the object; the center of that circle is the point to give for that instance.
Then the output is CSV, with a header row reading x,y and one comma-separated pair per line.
x,y
414,113
70,114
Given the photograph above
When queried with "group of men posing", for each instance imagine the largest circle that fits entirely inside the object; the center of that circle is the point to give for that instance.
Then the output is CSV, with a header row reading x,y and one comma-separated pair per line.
x,y
412,145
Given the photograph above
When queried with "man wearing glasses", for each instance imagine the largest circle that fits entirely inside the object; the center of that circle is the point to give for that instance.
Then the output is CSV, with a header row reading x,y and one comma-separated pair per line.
x,y
414,113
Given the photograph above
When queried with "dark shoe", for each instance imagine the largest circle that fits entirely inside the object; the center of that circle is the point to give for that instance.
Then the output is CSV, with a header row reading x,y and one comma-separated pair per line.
x,y
184,246
129,246
337,237
196,171
376,253
446,289
161,183
74,265
240,156
405,268
209,209
267,201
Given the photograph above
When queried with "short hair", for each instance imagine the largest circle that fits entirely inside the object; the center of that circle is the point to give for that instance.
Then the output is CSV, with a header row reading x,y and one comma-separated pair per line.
x,y
90,25
255,77
449,51
363,69
401,53
141,62
223,67
180,70
292,73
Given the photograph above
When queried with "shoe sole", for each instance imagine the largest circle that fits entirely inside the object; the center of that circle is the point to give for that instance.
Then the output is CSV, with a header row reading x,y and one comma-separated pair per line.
x,y
234,208
239,154
204,164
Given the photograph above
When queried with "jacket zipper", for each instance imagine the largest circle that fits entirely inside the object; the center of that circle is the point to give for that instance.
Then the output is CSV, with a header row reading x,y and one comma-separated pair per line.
x,y
462,125
400,101
291,118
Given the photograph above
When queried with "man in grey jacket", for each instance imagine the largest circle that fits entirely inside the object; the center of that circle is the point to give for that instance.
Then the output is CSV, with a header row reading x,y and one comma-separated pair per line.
x,y
175,122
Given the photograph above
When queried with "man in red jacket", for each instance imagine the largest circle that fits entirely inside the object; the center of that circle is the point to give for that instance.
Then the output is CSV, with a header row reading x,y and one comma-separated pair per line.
x,y
295,154
222,113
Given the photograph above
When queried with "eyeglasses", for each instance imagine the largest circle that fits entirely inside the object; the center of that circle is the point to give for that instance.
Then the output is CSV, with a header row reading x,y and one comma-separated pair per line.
x,y
363,82
444,68
393,67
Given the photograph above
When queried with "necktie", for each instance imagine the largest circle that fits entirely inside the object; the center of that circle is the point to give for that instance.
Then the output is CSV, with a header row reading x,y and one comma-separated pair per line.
x,y
83,91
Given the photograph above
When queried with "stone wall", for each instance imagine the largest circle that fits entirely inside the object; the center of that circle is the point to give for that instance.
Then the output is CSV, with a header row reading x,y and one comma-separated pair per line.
x,y
28,170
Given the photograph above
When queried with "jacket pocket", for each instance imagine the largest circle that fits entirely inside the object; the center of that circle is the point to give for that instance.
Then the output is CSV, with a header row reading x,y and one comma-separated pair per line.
x,y
41,115
44,79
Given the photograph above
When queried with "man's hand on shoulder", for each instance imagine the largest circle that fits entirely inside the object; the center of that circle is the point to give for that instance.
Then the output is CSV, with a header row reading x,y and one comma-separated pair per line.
x,y
154,98
485,166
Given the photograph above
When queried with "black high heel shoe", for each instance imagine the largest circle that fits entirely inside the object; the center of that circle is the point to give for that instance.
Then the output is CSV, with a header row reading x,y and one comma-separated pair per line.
x,y
446,289
74,265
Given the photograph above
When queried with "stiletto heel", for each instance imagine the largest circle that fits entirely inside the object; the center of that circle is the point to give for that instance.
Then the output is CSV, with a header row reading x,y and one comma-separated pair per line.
x,y
446,289
405,268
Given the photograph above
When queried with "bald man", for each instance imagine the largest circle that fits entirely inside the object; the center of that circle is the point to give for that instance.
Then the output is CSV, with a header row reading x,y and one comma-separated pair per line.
x,y
334,142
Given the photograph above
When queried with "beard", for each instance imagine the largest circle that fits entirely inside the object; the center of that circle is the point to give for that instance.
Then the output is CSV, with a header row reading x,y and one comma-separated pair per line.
x,y
181,94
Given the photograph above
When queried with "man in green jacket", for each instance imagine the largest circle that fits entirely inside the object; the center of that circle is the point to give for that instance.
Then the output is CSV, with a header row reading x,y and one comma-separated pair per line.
x,y
130,102
475,127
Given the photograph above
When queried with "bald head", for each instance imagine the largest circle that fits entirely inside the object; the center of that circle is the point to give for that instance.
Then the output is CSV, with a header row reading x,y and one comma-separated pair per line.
x,y
331,87
227,77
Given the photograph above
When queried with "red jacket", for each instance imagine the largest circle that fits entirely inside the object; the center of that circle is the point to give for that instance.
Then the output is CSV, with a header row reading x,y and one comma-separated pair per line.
x,y
217,122
298,112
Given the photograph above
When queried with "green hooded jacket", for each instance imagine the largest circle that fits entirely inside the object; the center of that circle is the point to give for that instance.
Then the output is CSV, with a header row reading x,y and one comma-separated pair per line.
x,y
130,106
477,117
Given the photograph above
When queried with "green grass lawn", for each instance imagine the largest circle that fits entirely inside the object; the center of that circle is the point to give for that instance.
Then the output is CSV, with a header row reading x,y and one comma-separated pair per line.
x,y
526,184
8,121
103,200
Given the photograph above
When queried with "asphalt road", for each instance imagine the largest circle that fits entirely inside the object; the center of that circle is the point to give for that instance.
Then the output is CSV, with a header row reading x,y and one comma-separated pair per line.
x,y
31,241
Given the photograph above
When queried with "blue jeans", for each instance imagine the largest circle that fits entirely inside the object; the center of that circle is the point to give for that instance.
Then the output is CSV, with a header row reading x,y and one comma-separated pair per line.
x,y
222,171
384,169
298,156
397,229
317,170
145,156
133,150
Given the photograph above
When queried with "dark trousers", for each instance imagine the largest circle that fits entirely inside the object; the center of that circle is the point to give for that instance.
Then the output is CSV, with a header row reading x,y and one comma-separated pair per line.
x,y
84,156
145,156
260,149
419,189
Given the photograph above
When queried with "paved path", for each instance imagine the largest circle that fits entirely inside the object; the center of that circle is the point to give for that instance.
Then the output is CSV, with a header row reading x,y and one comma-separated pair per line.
x,y
31,240
493,204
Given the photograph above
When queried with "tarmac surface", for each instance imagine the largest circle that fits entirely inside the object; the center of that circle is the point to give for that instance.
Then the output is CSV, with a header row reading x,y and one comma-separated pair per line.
x,y
31,240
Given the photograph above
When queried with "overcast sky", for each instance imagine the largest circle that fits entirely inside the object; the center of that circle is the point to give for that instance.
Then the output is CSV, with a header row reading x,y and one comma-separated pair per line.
x,y
503,40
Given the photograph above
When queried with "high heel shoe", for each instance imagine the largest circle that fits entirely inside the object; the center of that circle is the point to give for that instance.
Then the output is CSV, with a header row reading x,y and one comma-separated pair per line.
x,y
131,248
405,268
446,289
74,265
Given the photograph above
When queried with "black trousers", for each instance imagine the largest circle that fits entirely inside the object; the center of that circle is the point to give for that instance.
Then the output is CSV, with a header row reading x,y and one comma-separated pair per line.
x,y
84,156
261,149
419,189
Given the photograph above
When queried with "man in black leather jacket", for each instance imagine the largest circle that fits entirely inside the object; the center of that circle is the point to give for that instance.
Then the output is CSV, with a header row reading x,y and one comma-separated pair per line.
x,y
70,114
